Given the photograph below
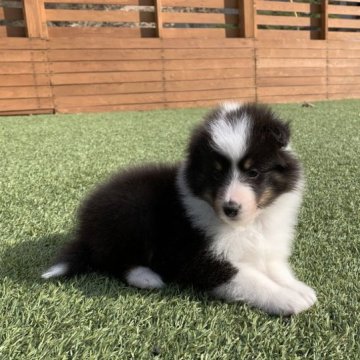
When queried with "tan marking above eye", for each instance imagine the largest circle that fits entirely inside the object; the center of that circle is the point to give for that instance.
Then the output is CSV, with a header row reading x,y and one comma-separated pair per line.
x,y
248,163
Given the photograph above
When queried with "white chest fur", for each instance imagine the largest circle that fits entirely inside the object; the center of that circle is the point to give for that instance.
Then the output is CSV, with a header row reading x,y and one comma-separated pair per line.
x,y
268,237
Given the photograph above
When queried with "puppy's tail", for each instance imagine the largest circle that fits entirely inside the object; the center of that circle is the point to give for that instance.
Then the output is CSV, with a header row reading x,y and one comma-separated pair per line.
x,y
73,260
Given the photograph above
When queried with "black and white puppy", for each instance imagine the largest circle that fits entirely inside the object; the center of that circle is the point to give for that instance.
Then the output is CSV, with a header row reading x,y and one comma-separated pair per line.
x,y
221,221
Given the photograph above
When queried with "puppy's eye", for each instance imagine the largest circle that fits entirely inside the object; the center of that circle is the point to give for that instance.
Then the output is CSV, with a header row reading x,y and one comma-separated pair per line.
x,y
218,166
253,173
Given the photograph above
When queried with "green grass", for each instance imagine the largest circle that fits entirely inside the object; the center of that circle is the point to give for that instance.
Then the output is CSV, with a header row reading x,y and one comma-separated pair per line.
x,y
48,163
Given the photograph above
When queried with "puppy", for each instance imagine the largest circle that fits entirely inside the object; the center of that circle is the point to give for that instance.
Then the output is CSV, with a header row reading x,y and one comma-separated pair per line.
x,y
222,221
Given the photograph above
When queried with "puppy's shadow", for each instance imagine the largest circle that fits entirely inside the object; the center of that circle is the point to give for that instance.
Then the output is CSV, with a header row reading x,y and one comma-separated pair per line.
x,y
24,262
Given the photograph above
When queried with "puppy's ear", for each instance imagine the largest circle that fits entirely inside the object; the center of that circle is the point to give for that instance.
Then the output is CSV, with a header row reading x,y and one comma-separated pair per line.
x,y
280,132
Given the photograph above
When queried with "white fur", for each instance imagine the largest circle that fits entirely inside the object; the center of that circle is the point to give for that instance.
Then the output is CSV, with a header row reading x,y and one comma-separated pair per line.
x,y
228,106
144,278
229,138
259,250
55,271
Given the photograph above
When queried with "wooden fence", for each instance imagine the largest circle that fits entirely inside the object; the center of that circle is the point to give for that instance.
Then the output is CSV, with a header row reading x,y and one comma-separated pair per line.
x,y
104,55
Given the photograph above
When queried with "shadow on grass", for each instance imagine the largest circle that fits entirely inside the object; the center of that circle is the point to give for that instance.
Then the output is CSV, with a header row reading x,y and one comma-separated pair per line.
x,y
25,261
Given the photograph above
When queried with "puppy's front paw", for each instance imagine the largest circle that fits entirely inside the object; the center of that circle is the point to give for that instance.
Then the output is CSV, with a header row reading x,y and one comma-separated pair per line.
x,y
305,291
289,302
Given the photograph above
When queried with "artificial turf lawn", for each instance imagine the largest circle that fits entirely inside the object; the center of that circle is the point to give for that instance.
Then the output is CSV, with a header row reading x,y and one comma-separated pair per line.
x,y
48,163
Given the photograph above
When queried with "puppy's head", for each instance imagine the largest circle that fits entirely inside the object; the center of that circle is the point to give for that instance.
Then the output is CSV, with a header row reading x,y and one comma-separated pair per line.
x,y
239,161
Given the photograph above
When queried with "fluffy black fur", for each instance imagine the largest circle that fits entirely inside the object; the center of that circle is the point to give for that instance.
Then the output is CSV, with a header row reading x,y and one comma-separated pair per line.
x,y
137,219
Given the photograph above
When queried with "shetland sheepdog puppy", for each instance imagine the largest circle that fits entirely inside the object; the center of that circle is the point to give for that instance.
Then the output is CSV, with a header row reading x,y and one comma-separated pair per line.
x,y
221,221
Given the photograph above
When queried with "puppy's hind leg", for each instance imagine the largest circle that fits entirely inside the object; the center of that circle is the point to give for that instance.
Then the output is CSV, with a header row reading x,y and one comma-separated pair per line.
x,y
144,278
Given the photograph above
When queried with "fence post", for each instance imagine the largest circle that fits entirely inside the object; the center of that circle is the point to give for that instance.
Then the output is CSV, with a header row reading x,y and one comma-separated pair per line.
x,y
159,22
324,19
35,19
247,14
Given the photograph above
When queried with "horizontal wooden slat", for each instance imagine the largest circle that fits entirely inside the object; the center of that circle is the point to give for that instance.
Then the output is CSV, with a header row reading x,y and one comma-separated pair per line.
x,y
104,66
345,80
103,43
288,34
344,10
344,54
293,90
105,2
176,75
287,6
341,44
344,23
287,20
207,64
23,80
94,100
291,53
201,3
23,92
290,63
106,108
108,89
206,43
199,33
291,81
344,62
208,95
344,71
110,66
207,103
341,35
99,15
144,87
25,104
343,96
207,53
106,77
106,54
108,43
285,72
19,43
340,89
290,44
112,32
199,18
291,98
210,84
22,55
23,68
164,105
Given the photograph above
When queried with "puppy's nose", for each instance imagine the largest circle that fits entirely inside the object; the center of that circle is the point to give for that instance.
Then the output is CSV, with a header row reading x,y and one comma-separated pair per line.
x,y
231,209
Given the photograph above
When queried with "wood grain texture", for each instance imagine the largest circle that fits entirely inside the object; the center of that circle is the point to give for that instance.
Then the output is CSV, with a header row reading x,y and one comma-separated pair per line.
x,y
82,74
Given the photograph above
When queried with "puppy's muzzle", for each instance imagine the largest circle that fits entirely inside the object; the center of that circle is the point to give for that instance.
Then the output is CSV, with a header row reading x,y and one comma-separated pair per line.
x,y
231,209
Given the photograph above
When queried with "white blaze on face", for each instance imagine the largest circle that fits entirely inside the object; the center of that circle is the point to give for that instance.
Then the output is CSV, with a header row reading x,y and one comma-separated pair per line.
x,y
230,138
